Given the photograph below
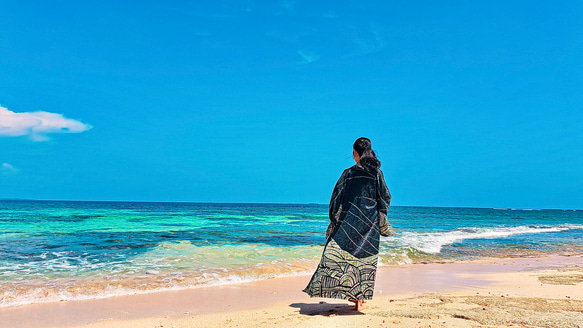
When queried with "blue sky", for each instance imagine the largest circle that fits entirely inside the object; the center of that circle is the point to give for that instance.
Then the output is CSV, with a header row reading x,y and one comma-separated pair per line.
x,y
467,103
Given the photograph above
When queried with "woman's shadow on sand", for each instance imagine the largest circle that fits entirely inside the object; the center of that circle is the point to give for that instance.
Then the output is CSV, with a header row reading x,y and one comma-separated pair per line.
x,y
326,309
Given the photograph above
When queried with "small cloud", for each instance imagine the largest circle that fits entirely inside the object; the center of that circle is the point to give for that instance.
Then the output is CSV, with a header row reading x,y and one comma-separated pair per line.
x,y
288,5
308,57
36,125
374,41
330,15
7,169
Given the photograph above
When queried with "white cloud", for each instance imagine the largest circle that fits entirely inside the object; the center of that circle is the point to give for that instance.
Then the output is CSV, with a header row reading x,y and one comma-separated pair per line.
x,y
372,42
36,125
308,57
288,5
7,168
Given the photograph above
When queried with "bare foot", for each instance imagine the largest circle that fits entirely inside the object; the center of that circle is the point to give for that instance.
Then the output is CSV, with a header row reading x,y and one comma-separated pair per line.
x,y
358,304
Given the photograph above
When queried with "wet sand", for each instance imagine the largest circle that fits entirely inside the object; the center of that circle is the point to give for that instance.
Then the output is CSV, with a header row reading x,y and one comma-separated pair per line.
x,y
524,292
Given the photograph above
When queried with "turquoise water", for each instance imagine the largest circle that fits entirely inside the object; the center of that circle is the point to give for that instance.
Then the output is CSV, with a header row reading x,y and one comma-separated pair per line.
x,y
51,251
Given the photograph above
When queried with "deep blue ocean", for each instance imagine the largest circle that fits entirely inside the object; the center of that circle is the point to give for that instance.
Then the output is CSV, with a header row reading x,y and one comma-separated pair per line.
x,y
60,250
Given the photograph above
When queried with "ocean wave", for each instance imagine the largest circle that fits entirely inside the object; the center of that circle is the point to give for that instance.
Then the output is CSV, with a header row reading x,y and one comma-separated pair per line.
x,y
433,242
165,257
58,276
17,293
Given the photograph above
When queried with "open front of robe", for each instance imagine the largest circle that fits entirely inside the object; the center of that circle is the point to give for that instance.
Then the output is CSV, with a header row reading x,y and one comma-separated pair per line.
x,y
358,216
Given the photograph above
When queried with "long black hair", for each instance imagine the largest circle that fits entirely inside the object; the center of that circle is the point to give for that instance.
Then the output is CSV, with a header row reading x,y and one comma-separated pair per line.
x,y
368,158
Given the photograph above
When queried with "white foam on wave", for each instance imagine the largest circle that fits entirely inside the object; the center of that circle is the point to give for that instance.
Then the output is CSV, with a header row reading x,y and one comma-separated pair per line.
x,y
433,242
50,295
23,293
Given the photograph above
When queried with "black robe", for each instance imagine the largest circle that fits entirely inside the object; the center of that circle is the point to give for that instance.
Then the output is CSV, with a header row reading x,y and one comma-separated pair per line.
x,y
358,216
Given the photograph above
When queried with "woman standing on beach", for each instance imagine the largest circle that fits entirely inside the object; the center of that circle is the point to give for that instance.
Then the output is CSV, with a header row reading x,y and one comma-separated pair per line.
x,y
358,215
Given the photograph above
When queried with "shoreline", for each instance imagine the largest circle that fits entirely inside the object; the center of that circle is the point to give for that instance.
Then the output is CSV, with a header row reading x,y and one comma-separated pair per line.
x,y
104,287
258,301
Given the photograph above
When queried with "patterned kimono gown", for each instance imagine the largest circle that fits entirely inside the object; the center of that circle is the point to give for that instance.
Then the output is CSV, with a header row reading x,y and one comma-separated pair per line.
x,y
358,215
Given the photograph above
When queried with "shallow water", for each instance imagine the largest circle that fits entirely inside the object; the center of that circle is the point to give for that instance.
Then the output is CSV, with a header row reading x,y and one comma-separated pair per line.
x,y
51,251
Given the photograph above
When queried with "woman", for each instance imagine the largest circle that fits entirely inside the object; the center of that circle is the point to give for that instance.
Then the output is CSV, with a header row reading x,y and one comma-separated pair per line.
x,y
358,215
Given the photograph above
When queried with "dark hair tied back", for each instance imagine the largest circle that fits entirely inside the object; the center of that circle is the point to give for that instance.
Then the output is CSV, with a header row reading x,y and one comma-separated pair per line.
x,y
368,158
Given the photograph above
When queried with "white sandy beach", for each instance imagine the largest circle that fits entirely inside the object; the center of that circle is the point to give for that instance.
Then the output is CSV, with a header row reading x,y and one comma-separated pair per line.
x,y
533,292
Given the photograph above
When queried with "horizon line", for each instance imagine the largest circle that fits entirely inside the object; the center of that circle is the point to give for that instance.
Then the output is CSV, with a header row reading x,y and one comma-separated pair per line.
x,y
278,203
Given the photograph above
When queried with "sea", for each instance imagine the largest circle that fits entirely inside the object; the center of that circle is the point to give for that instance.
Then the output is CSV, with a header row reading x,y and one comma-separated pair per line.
x,y
54,251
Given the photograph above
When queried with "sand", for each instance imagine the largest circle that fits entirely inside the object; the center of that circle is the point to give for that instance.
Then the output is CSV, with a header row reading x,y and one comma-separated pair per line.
x,y
533,292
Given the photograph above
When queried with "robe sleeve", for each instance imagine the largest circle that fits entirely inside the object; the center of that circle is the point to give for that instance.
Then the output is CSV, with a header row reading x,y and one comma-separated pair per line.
x,y
335,208
383,204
